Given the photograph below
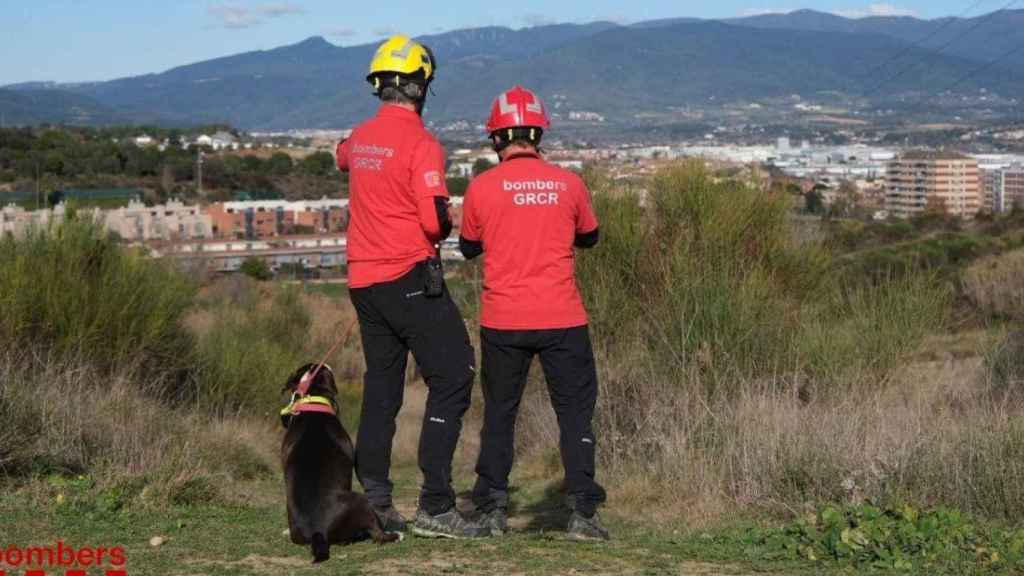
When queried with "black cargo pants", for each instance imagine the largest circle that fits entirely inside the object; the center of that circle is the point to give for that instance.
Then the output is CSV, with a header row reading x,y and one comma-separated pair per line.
x,y
568,362
396,318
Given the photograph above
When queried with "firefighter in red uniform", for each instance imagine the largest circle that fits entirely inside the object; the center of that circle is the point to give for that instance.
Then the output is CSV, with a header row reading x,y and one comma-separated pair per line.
x,y
398,215
526,216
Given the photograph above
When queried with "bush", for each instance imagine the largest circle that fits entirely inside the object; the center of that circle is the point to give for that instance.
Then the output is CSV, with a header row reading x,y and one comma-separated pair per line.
x,y
900,538
105,370
245,358
256,269
995,285
708,276
70,291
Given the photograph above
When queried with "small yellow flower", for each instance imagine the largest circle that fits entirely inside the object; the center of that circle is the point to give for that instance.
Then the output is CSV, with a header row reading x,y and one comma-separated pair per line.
x,y
60,498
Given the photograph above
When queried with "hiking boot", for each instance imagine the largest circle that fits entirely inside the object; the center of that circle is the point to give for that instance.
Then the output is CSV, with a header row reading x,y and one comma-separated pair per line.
x,y
450,524
390,519
496,521
583,528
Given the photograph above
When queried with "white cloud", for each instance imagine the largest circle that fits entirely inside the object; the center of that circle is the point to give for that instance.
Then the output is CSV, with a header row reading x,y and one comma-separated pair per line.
x,y
535,19
746,13
279,9
876,10
233,15
620,19
384,31
342,32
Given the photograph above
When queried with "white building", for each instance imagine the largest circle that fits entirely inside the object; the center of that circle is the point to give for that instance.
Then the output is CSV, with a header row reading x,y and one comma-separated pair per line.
x,y
223,140
172,221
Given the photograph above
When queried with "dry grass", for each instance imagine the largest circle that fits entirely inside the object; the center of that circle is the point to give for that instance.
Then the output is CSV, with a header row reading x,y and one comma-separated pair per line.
x,y
934,434
77,421
995,285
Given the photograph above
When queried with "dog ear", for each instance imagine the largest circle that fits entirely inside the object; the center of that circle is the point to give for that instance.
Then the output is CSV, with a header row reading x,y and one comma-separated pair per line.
x,y
293,380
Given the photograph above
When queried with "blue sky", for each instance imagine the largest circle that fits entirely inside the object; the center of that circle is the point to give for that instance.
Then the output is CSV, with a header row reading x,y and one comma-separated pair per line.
x,y
84,40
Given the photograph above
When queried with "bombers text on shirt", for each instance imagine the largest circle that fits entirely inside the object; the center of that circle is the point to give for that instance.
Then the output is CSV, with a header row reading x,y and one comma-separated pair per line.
x,y
393,163
526,214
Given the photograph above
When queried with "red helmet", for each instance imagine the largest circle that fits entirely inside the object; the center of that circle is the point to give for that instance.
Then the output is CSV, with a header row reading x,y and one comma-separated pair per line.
x,y
517,108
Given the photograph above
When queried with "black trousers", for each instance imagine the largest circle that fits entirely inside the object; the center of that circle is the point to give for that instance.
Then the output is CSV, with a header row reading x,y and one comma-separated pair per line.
x,y
568,362
394,319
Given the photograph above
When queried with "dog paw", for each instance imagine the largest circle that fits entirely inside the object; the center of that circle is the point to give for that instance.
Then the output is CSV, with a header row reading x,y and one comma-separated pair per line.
x,y
286,533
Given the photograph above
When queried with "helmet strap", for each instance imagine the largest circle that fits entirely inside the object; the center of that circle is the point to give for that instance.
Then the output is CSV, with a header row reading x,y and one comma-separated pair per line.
x,y
411,87
501,139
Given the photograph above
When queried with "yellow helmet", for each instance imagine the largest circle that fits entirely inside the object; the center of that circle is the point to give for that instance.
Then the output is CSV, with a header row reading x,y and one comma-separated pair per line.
x,y
401,55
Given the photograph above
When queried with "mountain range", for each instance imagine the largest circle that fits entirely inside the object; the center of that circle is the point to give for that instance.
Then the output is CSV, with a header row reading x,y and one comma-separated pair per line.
x,y
620,71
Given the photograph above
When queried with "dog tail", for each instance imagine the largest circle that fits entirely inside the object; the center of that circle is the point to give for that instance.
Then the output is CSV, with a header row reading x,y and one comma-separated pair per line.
x,y
321,549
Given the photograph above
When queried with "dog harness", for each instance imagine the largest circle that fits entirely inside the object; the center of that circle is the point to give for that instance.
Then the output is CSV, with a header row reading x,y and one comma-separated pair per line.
x,y
302,404
298,405
300,401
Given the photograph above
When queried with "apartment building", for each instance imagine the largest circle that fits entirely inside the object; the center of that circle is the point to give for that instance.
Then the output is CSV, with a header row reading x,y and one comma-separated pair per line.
x,y
171,221
924,180
133,223
1004,188
268,218
16,221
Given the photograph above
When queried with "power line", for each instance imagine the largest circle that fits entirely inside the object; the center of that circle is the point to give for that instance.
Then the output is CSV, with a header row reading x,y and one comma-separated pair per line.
x,y
983,68
921,41
874,89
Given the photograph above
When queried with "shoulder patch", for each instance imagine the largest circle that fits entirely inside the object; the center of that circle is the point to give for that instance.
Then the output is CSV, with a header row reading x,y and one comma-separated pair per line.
x,y
432,179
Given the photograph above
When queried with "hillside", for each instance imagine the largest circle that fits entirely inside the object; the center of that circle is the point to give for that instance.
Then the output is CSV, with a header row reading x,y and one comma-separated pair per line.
x,y
620,71
983,38
35,106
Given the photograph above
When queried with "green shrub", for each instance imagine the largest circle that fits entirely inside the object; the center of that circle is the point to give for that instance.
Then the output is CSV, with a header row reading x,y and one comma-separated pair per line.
x,y
256,269
861,332
248,354
70,291
901,538
708,274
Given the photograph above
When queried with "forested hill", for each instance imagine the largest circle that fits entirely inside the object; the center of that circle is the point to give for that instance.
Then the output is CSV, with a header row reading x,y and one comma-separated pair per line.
x,y
619,71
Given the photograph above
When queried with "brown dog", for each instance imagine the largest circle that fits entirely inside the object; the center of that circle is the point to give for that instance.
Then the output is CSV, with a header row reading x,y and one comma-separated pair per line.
x,y
317,455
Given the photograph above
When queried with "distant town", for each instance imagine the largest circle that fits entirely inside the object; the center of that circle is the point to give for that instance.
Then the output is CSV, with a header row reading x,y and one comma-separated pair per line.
x,y
869,180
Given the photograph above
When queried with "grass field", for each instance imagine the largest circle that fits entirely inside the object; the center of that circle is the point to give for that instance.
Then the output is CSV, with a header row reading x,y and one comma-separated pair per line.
x,y
240,530
247,538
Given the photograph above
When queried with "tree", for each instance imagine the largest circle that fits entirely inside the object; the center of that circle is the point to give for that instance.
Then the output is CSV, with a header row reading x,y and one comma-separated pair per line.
x,y
317,164
256,268
54,163
481,165
280,164
253,164
457,186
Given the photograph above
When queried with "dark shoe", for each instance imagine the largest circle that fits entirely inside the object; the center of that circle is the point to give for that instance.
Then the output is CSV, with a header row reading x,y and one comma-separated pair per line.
x,y
583,528
496,521
448,524
390,519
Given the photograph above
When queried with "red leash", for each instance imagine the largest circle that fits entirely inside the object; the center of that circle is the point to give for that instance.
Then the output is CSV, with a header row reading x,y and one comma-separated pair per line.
x,y
307,379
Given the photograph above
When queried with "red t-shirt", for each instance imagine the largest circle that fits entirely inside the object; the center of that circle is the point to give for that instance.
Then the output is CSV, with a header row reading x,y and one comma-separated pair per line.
x,y
526,213
393,164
